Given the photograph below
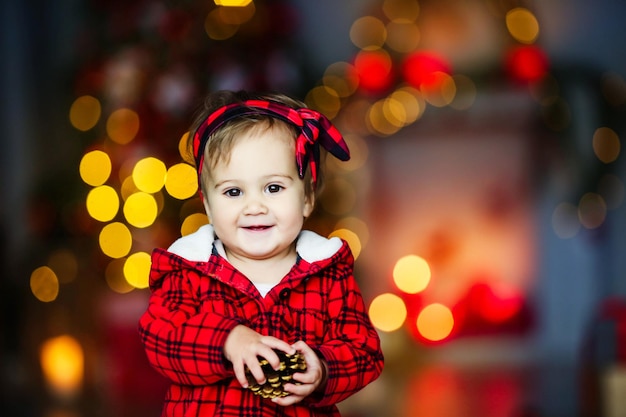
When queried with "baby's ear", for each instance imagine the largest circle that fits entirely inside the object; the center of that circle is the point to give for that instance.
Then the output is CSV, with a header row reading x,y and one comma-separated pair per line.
x,y
309,204
207,209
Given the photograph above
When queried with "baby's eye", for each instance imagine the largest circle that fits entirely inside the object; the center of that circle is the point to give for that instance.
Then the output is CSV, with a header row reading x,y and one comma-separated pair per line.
x,y
233,192
274,188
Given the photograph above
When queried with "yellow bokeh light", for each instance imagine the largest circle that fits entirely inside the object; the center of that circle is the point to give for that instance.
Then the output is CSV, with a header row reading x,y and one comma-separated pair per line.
x,y
413,105
137,269
63,363
115,240
342,78
387,312
606,144
192,223
44,284
149,174
183,149
411,274
441,91
85,112
522,25
377,121
591,210
181,181
128,187
401,10
352,238
114,276
140,209
233,3
357,225
103,203
435,322
95,168
368,33
216,28
122,126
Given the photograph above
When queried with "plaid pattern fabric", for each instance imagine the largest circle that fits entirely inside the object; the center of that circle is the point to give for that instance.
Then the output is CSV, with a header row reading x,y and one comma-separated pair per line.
x,y
315,130
194,305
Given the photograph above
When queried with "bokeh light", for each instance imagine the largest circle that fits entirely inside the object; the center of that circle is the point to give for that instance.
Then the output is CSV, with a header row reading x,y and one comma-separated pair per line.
x,y
137,269
95,168
85,112
103,203
149,174
181,181
62,363
44,284
527,63
140,209
592,210
522,25
368,33
401,10
411,274
122,126
606,144
375,70
435,322
387,312
114,276
352,238
115,240
192,223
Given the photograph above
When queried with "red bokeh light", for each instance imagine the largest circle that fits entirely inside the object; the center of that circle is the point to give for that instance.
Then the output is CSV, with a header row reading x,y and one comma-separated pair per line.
x,y
375,71
527,63
421,69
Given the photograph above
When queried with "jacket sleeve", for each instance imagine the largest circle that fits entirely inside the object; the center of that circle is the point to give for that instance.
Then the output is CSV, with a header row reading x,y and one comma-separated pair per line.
x,y
352,347
182,342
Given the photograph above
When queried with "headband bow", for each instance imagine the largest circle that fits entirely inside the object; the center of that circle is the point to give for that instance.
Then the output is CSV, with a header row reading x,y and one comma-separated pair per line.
x,y
315,130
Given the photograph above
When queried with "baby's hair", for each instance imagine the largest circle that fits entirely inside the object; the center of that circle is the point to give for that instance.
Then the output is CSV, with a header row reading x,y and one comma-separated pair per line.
x,y
221,142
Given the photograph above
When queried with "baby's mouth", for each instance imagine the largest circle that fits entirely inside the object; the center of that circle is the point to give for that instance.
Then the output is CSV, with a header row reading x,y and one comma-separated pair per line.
x,y
257,228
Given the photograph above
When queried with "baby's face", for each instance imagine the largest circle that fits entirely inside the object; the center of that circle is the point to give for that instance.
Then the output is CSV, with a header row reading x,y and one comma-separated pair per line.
x,y
256,200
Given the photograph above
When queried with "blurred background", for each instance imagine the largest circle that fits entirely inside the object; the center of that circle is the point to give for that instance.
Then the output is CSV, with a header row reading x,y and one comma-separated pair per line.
x,y
484,200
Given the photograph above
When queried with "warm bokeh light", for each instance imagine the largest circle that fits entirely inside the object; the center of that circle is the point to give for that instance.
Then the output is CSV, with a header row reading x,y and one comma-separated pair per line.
x,y
149,174
591,210
527,63
62,363
368,33
383,117
233,3
412,101
140,209
357,225
342,78
44,284
325,100
411,274
420,69
435,322
401,10
402,36
103,203
183,149
64,263
128,187
115,240
85,112
352,238
95,168
193,222
216,28
565,222
496,302
387,312
137,269
606,144
374,69
122,126
181,181
440,90
522,25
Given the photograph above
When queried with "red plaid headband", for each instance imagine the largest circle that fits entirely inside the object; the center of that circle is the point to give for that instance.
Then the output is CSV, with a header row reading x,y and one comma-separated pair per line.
x,y
315,129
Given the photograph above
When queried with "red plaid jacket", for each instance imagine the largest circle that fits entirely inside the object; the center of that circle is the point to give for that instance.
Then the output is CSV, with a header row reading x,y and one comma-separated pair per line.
x,y
198,297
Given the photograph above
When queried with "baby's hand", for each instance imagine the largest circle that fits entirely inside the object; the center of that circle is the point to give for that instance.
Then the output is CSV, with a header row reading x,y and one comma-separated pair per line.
x,y
312,379
242,348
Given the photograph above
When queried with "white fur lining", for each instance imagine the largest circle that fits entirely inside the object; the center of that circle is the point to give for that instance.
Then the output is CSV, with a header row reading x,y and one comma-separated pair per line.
x,y
197,246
